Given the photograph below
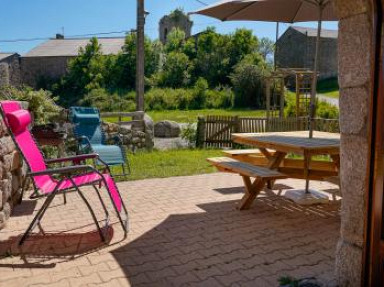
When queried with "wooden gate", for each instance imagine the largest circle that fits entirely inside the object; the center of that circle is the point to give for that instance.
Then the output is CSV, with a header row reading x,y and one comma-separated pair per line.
x,y
218,130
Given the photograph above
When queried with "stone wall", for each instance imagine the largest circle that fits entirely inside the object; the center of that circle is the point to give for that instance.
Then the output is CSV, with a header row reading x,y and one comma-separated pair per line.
x,y
355,44
10,73
296,50
290,50
132,138
167,23
12,174
39,69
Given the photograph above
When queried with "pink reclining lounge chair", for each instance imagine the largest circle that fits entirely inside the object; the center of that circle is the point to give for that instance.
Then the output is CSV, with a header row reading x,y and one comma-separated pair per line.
x,y
71,177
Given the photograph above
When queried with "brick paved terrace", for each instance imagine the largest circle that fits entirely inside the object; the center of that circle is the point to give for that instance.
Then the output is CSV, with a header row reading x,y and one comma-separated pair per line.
x,y
183,231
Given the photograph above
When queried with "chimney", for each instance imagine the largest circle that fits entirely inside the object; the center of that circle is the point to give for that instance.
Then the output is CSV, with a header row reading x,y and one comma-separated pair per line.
x,y
59,36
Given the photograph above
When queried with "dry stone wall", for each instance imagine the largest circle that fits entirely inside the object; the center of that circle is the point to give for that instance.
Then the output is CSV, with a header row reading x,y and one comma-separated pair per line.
x,y
12,174
132,139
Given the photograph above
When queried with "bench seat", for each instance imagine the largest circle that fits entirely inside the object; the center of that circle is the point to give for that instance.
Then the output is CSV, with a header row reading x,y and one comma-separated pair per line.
x,y
244,168
262,175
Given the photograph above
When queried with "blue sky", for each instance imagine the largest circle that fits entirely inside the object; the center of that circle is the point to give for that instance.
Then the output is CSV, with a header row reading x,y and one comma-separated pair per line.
x,y
44,18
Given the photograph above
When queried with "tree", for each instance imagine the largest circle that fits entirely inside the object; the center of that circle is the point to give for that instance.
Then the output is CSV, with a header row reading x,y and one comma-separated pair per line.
x,y
176,70
125,69
266,47
242,43
86,72
175,40
247,81
212,59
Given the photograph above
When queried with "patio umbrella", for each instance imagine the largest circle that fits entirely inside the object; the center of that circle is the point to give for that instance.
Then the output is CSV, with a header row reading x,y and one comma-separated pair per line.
x,y
287,11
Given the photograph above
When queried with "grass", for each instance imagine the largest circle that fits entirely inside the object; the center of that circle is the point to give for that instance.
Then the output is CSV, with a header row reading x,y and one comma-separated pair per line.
x,y
159,164
191,115
329,88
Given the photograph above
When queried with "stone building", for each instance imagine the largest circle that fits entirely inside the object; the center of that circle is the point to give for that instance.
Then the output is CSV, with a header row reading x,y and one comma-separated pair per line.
x,y
49,60
296,49
10,69
177,19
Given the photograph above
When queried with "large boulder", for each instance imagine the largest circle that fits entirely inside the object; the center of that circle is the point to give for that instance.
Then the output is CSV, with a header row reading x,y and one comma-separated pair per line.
x,y
167,129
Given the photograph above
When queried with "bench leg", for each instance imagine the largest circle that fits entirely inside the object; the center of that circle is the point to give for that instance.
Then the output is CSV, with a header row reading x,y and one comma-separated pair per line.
x,y
252,190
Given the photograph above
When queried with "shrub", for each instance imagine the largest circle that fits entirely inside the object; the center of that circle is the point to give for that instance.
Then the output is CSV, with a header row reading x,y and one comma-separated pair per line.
x,y
107,102
323,109
176,71
247,81
41,103
189,133
219,98
199,94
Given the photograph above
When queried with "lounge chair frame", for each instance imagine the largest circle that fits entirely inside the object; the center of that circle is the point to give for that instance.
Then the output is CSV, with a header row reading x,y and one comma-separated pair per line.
x,y
67,173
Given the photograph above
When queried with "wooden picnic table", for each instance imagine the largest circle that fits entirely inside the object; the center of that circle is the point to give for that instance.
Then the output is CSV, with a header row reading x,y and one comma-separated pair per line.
x,y
277,145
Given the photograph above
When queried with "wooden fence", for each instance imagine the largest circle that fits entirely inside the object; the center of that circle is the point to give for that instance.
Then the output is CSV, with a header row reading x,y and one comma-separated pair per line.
x,y
215,131
136,121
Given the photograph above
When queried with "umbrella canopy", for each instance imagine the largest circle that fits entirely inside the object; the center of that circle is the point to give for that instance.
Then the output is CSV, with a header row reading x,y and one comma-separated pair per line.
x,y
287,11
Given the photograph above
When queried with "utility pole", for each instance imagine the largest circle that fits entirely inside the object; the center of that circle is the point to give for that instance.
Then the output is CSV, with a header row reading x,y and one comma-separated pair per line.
x,y
140,56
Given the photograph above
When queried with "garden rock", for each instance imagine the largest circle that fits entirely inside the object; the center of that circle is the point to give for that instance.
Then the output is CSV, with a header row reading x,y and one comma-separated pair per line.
x,y
167,129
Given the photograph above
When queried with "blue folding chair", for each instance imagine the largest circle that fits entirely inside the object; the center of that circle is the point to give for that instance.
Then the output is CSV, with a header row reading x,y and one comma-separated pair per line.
x,y
91,138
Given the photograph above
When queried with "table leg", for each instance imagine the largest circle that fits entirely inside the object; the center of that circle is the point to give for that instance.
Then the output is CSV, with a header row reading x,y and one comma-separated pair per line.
x,y
252,190
274,163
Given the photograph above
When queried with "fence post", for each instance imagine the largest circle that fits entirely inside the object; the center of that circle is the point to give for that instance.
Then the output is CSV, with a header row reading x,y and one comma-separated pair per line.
x,y
200,132
236,124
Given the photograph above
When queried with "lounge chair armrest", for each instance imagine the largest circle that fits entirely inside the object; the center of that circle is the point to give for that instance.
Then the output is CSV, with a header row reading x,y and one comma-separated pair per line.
x,y
76,158
63,170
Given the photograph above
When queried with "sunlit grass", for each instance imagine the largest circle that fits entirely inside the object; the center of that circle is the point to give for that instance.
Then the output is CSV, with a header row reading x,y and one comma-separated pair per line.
x,y
192,115
159,164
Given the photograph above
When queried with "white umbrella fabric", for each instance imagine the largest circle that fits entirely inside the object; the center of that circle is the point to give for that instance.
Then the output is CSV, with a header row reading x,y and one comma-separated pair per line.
x,y
287,11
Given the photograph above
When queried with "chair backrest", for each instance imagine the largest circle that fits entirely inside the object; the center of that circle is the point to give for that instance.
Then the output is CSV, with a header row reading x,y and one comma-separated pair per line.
x,y
87,123
17,121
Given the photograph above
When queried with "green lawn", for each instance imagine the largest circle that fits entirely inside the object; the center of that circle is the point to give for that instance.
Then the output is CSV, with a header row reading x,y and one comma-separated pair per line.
x,y
329,88
191,115
170,163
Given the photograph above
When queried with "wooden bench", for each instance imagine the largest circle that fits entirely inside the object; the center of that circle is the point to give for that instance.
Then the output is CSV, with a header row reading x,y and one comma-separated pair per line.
x,y
252,189
319,170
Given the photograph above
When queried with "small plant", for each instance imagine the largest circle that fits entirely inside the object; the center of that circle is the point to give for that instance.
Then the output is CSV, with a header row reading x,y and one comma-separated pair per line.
x,y
41,103
189,134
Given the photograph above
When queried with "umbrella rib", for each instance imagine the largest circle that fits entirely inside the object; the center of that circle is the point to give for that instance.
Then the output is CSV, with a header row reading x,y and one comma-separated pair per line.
x,y
238,11
297,11
321,3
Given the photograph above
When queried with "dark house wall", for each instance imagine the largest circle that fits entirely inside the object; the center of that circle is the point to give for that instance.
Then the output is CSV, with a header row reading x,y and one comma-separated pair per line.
x,y
291,50
296,50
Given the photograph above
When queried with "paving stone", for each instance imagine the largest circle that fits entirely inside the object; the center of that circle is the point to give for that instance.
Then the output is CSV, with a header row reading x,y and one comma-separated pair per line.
x,y
183,232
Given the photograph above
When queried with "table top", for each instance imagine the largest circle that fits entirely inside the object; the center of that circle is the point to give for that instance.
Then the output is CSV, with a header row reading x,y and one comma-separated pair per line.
x,y
295,142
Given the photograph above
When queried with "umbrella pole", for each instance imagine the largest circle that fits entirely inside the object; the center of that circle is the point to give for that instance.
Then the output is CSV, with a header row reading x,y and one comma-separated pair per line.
x,y
277,38
312,107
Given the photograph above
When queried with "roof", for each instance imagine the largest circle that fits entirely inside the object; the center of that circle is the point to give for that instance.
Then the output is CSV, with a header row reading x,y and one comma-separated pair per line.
x,y
70,47
312,32
6,55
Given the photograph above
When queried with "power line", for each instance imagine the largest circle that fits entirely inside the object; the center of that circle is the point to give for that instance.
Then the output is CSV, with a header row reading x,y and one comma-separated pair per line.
x,y
71,36
201,2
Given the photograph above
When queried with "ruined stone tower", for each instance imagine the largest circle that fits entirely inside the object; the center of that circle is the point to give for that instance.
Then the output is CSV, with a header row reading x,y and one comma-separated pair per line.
x,y
177,19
